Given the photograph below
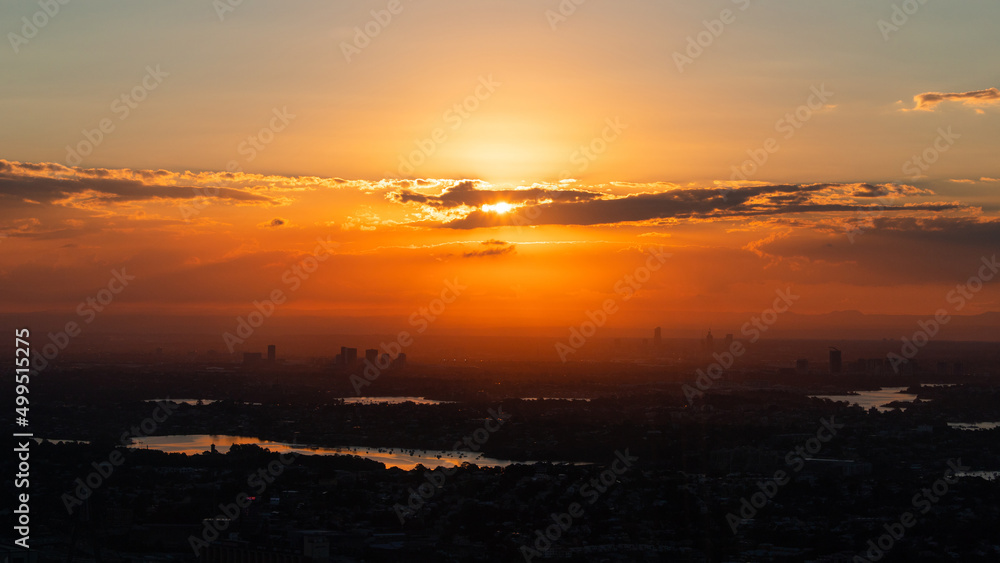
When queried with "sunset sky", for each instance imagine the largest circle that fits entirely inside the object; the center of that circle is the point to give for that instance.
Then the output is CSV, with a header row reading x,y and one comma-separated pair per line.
x,y
847,149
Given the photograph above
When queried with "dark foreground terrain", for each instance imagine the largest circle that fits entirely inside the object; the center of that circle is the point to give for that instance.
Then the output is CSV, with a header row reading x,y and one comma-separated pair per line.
x,y
751,469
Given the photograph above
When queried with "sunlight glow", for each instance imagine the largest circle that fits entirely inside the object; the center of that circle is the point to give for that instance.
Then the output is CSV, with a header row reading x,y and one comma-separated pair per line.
x,y
499,208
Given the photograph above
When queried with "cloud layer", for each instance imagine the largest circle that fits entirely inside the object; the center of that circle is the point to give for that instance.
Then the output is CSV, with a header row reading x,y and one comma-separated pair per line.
x,y
543,206
928,101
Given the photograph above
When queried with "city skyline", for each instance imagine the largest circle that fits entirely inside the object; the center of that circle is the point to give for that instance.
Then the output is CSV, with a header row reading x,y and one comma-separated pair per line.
x,y
486,281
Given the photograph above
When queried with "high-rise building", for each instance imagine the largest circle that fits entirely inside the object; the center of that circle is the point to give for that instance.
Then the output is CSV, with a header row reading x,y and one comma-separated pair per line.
x,y
729,341
835,360
371,355
802,367
349,356
657,337
709,342
271,353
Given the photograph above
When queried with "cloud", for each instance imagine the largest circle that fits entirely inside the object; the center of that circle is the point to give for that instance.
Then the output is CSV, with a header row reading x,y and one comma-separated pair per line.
x,y
364,219
105,195
920,250
930,100
494,248
757,246
703,204
53,183
49,190
469,194
100,187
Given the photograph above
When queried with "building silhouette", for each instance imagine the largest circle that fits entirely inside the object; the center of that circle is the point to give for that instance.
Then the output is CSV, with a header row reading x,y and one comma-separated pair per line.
x,y
835,361
400,360
371,355
348,356
709,343
271,353
657,337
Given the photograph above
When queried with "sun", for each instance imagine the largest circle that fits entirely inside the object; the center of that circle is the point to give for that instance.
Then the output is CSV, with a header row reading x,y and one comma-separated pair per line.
x,y
499,208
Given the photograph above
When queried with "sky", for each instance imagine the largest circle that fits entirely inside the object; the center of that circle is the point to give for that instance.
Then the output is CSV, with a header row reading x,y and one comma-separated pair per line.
x,y
534,153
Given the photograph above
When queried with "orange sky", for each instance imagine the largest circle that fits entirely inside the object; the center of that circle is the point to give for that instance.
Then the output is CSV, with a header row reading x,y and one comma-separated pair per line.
x,y
204,243
535,158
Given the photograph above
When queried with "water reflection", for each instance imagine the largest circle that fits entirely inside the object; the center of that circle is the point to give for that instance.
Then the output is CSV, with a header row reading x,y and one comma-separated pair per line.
x,y
988,475
555,399
869,399
191,402
974,425
391,457
392,401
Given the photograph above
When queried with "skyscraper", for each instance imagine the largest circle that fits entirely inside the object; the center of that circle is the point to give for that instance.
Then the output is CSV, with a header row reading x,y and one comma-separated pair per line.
x,y
709,342
271,353
371,355
835,360
348,355
657,337
400,360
